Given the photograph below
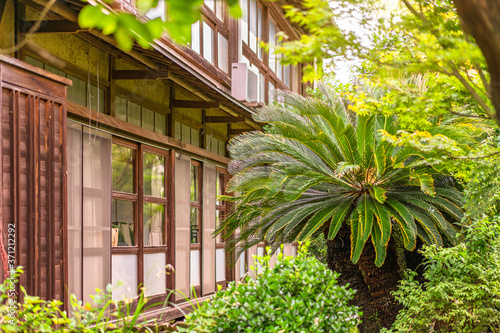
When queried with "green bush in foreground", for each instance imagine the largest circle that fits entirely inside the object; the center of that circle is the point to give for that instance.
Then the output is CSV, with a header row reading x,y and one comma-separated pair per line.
x,y
298,295
462,289
36,315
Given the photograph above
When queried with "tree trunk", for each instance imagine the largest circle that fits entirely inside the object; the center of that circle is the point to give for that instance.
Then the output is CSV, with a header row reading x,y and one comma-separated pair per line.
x,y
373,284
481,19
339,253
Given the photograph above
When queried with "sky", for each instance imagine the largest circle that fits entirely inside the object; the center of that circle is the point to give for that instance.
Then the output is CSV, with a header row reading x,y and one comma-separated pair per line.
x,y
344,72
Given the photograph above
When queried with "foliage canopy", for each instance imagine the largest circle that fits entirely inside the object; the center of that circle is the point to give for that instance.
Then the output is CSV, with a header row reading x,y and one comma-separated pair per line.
x,y
319,166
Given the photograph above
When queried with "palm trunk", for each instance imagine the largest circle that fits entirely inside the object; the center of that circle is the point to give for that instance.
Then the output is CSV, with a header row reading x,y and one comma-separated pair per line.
x,y
373,284
339,253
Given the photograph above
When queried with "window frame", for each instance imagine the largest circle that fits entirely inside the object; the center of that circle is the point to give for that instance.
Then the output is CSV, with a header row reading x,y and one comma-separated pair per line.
x,y
199,205
139,199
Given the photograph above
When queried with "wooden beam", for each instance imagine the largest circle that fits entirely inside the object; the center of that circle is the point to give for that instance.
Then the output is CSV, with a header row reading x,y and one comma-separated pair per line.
x,y
225,120
195,104
139,75
52,26
235,131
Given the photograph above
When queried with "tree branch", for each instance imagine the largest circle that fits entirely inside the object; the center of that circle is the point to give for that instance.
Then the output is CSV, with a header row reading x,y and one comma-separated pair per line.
x,y
475,157
473,92
414,11
468,115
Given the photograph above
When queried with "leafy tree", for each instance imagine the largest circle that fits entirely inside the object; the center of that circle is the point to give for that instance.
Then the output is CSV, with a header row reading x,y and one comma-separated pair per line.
x,y
461,291
320,168
127,28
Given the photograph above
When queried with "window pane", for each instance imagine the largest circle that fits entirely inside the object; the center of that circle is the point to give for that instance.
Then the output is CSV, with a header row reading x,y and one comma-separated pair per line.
x,y
178,130
186,133
159,11
123,159
220,265
222,60
123,223
272,42
195,37
195,137
34,62
210,4
286,75
219,9
222,148
154,226
271,92
96,101
259,32
208,43
218,239
253,25
148,119
218,189
160,123
77,93
154,175
262,87
194,183
195,268
243,265
154,274
121,108
195,231
54,70
244,21
124,276
134,114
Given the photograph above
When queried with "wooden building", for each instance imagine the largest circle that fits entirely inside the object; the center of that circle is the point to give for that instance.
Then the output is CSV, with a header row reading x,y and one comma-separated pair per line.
x,y
112,162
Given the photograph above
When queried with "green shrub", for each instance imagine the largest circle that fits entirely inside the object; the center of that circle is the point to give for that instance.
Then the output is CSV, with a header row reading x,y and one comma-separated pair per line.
x,y
298,295
37,315
462,288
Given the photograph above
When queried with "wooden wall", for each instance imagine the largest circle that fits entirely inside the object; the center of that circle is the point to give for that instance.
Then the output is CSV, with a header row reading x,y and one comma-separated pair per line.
x,y
33,167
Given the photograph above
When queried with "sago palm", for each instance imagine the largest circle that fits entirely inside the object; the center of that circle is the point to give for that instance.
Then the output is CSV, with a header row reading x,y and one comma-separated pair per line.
x,y
319,168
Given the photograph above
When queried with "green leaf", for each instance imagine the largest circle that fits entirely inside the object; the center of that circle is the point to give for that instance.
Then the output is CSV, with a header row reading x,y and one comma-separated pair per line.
x,y
378,193
124,39
338,218
426,184
361,227
316,222
90,16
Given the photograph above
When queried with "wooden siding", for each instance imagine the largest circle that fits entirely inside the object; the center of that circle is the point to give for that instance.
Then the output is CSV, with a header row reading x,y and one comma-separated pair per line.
x,y
33,167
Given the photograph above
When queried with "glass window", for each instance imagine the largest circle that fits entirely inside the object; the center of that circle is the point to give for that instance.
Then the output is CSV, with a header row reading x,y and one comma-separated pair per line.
x,y
123,165
260,54
154,226
286,75
123,223
210,4
120,108
219,9
139,197
195,231
160,123
208,43
154,175
159,11
271,88
244,21
134,114
148,119
195,37
252,38
222,53
96,100
194,183
272,42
